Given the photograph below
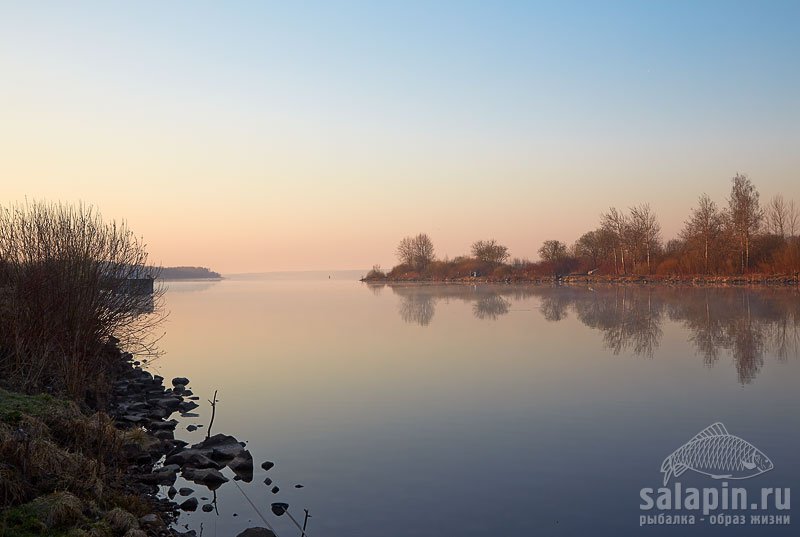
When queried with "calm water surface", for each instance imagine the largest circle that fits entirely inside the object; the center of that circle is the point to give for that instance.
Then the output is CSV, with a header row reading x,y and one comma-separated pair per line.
x,y
418,410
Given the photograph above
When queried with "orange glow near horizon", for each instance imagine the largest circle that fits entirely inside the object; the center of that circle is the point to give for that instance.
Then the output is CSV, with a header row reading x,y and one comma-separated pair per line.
x,y
263,139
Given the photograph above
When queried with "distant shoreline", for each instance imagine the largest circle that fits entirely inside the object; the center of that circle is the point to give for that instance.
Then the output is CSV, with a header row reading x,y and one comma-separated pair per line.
x,y
186,273
174,279
775,280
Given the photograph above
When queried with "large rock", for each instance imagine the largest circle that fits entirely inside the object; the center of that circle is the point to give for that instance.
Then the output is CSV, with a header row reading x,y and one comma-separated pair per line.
x,y
189,505
193,458
163,476
159,413
216,441
256,532
166,402
180,381
164,435
242,466
162,425
187,406
209,477
221,447
133,418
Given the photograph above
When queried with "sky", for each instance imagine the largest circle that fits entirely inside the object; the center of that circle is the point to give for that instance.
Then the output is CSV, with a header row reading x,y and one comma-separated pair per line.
x,y
271,136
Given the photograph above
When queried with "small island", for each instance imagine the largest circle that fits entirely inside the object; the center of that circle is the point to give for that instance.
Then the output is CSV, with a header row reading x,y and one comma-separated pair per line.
x,y
188,273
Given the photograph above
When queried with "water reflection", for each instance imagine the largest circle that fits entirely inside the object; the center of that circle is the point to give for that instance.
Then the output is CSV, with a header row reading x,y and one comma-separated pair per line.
x,y
418,302
491,307
745,324
189,286
417,306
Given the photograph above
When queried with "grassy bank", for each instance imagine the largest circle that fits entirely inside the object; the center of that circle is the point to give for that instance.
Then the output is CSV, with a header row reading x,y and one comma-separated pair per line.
x,y
66,307
62,471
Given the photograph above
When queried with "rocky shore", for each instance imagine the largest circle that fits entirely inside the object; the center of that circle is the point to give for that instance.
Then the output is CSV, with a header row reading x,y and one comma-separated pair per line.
x,y
141,457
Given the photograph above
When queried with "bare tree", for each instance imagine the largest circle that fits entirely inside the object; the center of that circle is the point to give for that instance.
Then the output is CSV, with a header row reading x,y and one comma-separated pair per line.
x,y
405,251
645,231
416,252
745,215
776,216
490,251
589,247
617,225
553,251
793,219
72,283
705,228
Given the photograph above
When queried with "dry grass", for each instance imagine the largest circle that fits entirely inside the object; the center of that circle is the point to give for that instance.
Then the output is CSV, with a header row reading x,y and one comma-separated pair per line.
x,y
58,510
121,521
13,488
59,449
59,474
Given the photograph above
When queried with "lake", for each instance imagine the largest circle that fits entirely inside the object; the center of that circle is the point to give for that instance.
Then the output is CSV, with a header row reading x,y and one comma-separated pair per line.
x,y
431,410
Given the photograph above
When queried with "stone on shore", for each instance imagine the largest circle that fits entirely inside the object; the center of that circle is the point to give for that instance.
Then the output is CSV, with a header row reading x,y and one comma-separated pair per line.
x,y
150,520
209,477
189,505
256,532
242,466
192,458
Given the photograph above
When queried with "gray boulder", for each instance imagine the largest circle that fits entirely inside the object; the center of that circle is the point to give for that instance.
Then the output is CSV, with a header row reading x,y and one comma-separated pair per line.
x,y
192,458
242,466
189,505
256,532
209,477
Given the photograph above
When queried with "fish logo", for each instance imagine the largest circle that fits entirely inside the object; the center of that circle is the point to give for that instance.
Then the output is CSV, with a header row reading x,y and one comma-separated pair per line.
x,y
718,454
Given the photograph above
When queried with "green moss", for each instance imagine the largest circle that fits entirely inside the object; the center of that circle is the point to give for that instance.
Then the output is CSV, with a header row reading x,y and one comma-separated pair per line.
x,y
54,515
24,521
13,405
100,529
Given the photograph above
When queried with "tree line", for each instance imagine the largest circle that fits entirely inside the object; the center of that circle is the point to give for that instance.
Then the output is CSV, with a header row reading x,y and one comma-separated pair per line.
x,y
739,236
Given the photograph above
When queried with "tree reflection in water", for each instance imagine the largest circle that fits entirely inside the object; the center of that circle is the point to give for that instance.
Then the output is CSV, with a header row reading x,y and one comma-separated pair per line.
x,y
743,323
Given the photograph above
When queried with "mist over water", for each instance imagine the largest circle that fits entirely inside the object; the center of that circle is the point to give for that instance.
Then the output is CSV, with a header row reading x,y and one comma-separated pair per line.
x,y
435,410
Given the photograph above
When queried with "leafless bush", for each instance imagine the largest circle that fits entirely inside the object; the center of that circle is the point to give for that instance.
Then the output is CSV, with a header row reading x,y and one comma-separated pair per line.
x,y
69,284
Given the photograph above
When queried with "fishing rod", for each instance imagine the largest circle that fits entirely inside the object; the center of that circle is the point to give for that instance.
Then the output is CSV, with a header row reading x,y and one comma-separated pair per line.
x,y
281,508
269,526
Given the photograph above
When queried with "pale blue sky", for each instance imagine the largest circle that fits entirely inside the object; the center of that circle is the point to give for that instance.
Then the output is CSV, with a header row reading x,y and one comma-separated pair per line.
x,y
300,135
